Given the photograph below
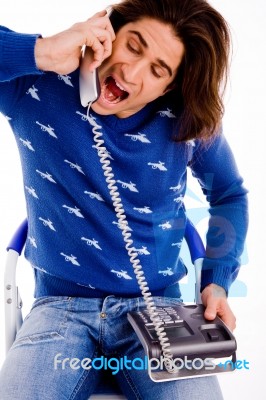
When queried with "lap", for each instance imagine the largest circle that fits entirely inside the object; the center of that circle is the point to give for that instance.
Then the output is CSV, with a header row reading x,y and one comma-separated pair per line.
x,y
123,343
49,358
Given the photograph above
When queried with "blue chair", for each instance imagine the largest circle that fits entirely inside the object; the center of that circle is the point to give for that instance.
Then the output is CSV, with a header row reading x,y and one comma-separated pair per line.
x,y
108,389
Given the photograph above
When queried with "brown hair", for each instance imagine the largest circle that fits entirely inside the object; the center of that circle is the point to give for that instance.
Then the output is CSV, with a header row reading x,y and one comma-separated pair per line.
x,y
201,79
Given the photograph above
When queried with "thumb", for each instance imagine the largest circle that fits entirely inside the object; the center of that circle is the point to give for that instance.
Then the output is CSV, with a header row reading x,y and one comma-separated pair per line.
x,y
210,312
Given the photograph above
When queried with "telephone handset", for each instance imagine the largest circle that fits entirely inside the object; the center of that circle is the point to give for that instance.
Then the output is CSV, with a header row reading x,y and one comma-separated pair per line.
x,y
166,333
89,85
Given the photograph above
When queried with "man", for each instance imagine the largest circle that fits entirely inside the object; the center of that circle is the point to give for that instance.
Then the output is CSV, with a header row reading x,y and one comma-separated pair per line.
x,y
160,75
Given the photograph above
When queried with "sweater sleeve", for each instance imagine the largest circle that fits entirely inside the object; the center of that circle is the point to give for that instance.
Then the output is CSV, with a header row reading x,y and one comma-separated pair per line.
x,y
16,54
18,69
215,168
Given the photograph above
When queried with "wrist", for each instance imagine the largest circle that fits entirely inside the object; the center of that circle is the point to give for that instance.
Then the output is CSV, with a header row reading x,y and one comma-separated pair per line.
x,y
215,290
41,53
38,53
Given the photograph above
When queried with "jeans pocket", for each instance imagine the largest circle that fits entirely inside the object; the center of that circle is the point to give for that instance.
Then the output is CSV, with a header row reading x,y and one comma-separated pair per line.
x,y
46,322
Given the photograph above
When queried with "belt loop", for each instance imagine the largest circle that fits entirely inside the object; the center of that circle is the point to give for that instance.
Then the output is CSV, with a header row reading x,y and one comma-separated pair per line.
x,y
105,301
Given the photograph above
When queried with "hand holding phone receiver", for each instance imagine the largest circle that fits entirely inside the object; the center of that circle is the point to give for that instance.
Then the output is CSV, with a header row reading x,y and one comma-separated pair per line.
x,y
89,84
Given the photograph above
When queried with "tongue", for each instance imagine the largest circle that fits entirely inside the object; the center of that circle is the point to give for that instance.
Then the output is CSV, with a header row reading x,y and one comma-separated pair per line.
x,y
113,88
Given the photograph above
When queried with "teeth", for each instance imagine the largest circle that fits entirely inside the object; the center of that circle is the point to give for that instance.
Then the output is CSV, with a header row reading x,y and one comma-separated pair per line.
x,y
120,87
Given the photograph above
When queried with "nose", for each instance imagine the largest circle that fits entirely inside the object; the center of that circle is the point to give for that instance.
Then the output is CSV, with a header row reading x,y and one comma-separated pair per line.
x,y
134,71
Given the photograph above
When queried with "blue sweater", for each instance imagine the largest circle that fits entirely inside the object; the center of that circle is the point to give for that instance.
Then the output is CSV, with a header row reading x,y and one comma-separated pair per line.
x,y
74,240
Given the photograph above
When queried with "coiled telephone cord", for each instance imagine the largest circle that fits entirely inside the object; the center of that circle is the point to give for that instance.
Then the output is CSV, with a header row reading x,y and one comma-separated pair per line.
x,y
133,255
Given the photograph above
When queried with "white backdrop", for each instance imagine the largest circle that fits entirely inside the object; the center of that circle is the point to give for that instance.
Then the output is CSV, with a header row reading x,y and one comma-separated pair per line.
x,y
245,128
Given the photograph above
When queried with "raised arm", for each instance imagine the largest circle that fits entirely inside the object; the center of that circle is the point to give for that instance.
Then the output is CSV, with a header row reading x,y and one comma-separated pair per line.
x,y
24,57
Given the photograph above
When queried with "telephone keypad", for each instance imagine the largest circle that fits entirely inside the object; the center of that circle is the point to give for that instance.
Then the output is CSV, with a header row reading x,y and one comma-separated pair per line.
x,y
167,315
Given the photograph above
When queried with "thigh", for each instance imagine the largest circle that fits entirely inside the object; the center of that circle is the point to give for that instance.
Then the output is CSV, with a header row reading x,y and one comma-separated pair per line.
x,y
49,358
136,384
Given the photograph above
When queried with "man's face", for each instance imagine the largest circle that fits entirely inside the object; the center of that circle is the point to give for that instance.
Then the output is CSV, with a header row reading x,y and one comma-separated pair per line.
x,y
144,61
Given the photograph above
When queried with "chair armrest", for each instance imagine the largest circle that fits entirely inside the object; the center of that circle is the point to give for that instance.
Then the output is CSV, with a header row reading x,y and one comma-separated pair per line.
x,y
197,254
19,238
13,302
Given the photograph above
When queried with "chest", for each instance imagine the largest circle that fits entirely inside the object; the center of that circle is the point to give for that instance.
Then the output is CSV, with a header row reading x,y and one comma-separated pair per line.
x,y
55,137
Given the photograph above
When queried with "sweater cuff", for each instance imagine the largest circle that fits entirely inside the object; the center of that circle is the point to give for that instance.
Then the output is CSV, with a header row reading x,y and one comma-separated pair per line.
x,y
220,275
18,54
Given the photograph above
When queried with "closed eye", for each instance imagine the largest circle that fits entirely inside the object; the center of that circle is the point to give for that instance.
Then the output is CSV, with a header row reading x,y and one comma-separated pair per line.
x,y
158,72
133,47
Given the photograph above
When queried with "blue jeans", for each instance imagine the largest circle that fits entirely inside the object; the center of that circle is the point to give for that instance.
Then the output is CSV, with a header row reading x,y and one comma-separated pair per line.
x,y
49,358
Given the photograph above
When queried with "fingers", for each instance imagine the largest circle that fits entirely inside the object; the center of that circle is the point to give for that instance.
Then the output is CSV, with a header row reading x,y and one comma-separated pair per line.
x,y
101,43
221,309
217,305
99,36
102,20
227,316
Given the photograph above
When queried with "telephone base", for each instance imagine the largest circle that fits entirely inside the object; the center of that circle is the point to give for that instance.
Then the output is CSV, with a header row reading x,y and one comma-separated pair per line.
x,y
188,370
199,347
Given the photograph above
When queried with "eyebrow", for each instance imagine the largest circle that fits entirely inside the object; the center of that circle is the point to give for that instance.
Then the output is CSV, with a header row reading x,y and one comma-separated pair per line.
x,y
145,45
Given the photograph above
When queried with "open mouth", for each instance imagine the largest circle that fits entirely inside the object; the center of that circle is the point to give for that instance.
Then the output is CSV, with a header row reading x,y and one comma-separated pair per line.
x,y
112,92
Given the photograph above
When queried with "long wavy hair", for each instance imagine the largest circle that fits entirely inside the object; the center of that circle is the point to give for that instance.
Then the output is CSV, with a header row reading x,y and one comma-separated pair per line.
x,y
198,89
